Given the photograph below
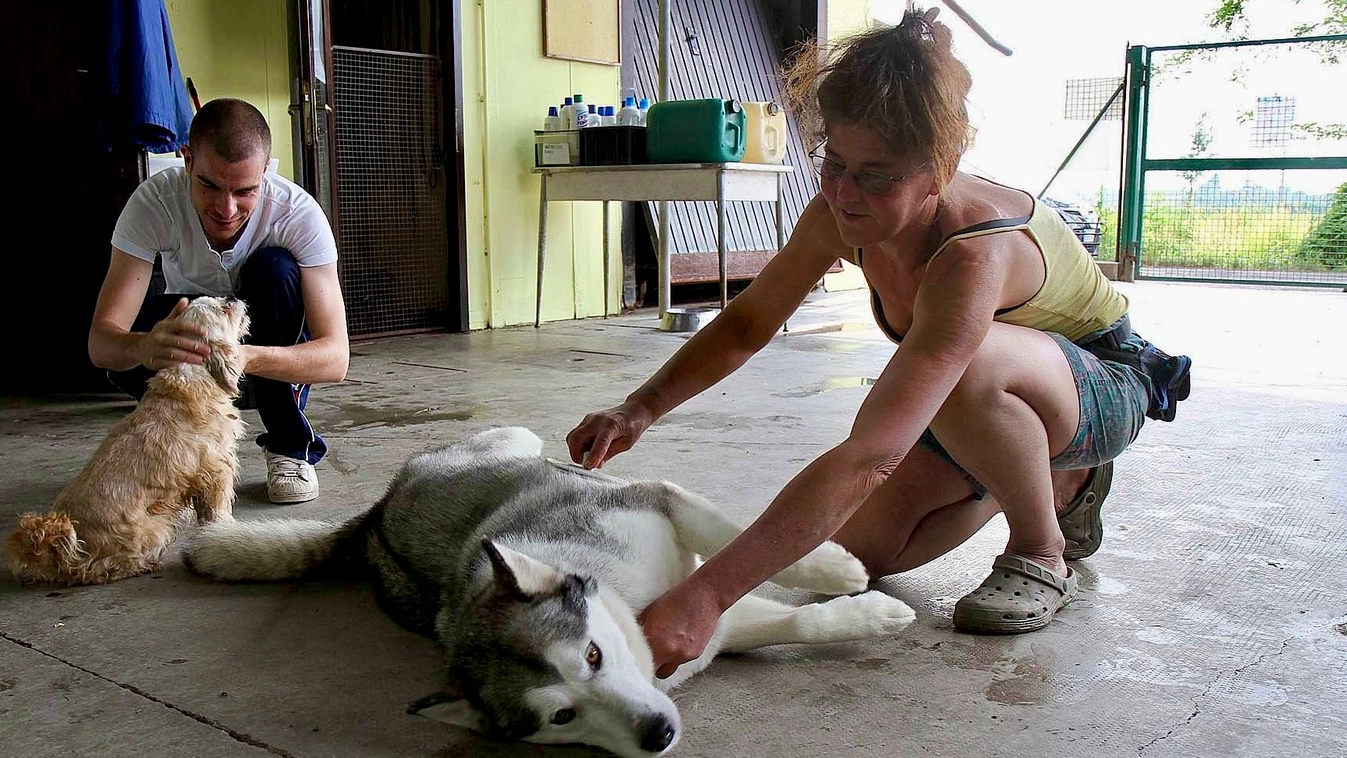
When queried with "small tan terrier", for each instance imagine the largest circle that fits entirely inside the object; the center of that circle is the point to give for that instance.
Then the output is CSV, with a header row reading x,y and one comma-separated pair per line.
x,y
177,452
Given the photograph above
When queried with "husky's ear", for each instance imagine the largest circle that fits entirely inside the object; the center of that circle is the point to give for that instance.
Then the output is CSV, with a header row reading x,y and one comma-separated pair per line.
x,y
449,707
520,575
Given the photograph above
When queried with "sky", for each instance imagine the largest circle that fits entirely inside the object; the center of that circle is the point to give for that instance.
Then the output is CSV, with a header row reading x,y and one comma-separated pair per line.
x,y
1017,102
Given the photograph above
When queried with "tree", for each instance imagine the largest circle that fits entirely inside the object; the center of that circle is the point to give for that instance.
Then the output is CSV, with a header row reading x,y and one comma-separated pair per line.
x,y
1326,244
1231,18
1201,144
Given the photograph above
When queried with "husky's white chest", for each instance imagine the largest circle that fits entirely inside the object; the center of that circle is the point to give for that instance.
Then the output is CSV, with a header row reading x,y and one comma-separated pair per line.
x,y
657,561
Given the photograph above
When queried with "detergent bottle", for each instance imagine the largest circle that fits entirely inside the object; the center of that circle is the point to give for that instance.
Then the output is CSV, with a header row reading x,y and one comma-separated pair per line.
x,y
630,115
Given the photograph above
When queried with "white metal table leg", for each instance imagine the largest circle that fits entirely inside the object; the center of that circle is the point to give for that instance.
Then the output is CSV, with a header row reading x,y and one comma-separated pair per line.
x,y
542,245
665,275
720,240
605,259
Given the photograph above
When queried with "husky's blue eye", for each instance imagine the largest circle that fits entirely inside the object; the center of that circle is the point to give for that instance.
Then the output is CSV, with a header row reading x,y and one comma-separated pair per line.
x,y
594,656
563,716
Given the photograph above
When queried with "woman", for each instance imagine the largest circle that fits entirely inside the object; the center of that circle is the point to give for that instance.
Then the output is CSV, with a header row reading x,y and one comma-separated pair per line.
x,y
989,406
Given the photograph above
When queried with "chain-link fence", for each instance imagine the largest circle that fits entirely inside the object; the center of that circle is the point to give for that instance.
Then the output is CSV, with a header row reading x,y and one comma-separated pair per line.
x,y
1084,189
1239,161
394,244
1220,161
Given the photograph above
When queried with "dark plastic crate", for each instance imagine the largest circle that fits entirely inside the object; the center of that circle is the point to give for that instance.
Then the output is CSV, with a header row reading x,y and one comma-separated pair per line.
x,y
612,146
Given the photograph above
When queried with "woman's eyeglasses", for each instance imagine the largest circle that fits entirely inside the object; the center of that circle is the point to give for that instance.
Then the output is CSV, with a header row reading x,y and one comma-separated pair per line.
x,y
869,182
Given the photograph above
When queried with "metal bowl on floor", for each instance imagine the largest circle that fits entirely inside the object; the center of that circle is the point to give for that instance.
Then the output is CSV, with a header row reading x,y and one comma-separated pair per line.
x,y
687,319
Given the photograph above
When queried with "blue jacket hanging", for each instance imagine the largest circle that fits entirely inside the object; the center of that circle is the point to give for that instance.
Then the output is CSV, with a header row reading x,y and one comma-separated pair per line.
x,y
147,104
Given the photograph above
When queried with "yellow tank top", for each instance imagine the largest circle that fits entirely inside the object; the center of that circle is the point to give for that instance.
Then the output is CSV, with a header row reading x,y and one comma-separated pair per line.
x,y
1075,299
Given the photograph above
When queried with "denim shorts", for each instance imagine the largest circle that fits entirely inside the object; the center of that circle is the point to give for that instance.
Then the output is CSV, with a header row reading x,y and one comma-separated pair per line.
x,y
1113,402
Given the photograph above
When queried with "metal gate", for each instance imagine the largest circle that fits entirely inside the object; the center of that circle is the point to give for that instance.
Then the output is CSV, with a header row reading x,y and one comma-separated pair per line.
x,y
1235,162
394,237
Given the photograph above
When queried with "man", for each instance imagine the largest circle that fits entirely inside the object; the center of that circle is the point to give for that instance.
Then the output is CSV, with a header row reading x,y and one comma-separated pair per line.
x,y
223,226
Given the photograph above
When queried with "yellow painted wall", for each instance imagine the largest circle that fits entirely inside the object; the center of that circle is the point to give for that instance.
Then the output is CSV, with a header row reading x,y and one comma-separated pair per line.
x,y
846,17
475,171
514,85
239,48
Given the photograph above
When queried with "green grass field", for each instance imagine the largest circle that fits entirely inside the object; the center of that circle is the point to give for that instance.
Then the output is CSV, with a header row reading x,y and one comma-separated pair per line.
x,y
1262,237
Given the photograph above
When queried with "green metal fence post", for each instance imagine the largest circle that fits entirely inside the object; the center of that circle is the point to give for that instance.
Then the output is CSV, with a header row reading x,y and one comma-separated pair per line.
x,y
1129,196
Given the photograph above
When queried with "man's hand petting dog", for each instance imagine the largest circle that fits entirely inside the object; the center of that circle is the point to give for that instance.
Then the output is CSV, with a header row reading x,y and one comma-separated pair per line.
x,y
173,341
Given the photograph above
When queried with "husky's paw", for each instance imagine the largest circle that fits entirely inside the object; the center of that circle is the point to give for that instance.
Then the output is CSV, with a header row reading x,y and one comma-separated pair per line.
x,y
829,570
855,617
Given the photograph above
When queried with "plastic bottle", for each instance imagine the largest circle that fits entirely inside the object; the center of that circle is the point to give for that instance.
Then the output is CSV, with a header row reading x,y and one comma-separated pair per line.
x,y
630,115
644,108
567,114
552,122
592,117
581,112
609,118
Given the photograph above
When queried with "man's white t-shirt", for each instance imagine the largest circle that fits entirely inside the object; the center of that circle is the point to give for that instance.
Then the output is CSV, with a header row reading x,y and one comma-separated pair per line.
x,y
159,219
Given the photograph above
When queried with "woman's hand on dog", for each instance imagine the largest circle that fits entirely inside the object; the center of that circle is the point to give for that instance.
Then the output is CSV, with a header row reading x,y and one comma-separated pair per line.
x,y
173,341
679,625
605,434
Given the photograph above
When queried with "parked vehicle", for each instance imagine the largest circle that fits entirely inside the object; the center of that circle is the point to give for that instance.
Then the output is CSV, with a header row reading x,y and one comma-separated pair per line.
x,y
1084,222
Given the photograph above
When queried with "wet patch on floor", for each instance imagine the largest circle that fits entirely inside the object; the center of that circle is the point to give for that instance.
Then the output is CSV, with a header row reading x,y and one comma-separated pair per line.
x,y
831,328
1021,681
351,417
829,385
335,460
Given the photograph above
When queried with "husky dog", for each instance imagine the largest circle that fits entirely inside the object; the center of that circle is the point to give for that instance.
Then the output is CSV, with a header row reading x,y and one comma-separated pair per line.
x,y
530,574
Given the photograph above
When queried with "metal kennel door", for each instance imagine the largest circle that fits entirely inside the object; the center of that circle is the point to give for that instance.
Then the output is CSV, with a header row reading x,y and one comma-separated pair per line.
x,y
393,236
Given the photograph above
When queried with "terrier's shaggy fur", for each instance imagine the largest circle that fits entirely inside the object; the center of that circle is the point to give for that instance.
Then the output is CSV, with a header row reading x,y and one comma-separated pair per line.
x,y
177,452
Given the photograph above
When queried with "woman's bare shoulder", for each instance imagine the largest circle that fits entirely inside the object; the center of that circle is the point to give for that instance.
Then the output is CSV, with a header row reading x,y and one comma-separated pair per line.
x,y
969,200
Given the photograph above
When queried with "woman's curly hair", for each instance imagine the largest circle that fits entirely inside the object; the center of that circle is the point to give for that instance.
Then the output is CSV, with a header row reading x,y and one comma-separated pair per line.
x,y
902,82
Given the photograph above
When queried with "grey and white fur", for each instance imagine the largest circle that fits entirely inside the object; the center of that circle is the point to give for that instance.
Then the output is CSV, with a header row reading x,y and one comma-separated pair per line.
x,y
530,575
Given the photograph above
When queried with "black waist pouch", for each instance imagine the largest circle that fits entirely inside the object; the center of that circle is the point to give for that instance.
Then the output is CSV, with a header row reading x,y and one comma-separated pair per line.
x,y
1169,375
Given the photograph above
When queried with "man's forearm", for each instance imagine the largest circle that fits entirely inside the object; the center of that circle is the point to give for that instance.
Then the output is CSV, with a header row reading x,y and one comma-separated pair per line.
x,y
112,348
314,362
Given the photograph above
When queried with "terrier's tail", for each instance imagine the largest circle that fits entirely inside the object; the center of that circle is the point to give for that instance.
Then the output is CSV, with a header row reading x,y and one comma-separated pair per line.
x,y
45,548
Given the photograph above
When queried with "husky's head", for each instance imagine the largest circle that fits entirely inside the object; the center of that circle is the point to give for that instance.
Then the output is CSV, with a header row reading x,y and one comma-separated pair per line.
x,y
543,656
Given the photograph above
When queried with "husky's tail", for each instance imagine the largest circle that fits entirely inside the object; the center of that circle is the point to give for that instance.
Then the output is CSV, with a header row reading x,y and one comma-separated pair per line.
x,y
276,549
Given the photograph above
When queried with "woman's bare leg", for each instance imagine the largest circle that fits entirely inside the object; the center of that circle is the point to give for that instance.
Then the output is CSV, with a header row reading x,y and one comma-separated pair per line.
x,y
925,508
884,526
1015,407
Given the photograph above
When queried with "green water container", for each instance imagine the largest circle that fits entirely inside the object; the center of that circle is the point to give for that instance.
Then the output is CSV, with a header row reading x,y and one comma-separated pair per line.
x,y
695,131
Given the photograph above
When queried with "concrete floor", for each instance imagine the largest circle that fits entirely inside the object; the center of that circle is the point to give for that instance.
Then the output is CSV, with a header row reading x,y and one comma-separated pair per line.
x,y
1212,623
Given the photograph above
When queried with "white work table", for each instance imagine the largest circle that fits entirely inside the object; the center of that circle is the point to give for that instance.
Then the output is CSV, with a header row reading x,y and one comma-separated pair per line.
x,y
718,182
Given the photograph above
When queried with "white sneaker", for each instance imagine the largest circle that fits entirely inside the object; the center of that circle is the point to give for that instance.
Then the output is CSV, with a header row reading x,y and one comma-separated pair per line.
x,y
290,480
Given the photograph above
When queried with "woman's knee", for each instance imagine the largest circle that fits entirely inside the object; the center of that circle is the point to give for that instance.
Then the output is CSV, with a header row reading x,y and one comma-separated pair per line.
x,y
983,382
1013,367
